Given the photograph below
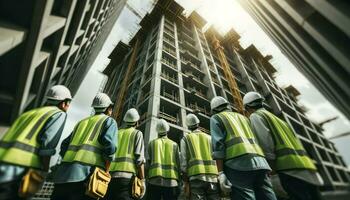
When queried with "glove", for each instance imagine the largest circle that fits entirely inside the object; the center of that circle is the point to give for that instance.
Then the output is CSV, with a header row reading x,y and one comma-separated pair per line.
x,y
225,184
143,188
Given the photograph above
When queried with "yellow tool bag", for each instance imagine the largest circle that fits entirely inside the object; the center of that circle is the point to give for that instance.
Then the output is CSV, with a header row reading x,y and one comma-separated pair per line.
x,y
136,189
98,183
31,183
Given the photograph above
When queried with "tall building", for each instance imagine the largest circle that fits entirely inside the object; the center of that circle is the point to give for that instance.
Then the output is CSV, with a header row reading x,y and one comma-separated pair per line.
x,y
48,42
315,36
174,70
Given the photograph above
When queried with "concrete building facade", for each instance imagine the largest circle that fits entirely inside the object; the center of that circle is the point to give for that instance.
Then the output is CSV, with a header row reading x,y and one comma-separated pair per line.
x,y
315,36
48,42
175,71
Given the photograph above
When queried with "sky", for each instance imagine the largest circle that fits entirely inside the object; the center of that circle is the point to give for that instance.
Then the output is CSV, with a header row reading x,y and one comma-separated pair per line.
x,y
224,15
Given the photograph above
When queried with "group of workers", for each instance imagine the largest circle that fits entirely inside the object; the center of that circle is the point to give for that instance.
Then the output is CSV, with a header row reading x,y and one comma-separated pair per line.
x,y
237,158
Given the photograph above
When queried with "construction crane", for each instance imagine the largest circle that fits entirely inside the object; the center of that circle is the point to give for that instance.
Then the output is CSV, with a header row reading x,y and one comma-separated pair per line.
x,y
237,98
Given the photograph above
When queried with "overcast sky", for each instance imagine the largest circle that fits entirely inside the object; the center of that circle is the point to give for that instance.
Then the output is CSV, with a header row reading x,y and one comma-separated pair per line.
x,y
223,14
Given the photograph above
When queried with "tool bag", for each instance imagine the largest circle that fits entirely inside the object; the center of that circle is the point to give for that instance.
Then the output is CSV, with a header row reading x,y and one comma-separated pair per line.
x,y
137,188
31,183
98,182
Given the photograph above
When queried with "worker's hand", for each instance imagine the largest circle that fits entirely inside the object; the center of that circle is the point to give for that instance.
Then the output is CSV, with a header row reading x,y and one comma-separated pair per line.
x,y
143,188
225,184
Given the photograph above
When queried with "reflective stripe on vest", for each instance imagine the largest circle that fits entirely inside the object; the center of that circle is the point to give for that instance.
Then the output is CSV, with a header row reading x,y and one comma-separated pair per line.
x,y
19,145
84,146
163,159
289,150
239,139
124,159
199,152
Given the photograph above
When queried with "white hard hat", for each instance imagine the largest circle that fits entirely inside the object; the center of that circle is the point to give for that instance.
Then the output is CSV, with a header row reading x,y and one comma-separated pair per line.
x,y
191,120
58,93
101,100
131,115
251,97
217,102
162,126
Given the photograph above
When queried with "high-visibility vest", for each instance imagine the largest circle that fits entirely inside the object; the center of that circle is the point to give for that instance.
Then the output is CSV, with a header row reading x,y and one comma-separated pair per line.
x,y
163,162
84,146
19,146
240,139
289,151
124,159
199,152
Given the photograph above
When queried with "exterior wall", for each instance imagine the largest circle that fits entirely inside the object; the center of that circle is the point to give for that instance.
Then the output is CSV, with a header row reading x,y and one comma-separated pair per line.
x,y
315,37
48,42
178,72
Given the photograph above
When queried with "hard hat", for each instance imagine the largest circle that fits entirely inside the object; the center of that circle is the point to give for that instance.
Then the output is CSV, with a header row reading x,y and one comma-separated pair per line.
x,y
131,115
162,126
101,100
217,102
191,120
251,97
58,93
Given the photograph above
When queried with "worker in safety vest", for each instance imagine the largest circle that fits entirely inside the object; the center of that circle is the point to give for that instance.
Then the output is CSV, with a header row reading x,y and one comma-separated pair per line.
x,y
129,159
31,141
284,152
92,143
197,165
164,165
243,170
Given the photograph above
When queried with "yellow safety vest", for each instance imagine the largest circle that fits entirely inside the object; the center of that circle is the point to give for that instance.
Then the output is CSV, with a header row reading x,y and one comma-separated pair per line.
x,y
240,139
199,152
289,151
124,160
19,145
84,146
164,161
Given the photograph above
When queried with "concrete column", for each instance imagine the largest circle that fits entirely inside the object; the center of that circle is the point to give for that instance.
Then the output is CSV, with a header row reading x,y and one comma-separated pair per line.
x,y
207,79
180,79
154,101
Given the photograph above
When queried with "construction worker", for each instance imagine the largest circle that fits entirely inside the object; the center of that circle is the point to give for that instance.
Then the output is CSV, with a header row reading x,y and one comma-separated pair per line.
x,y
31,141
243,170
283,150
92,143
129,159
197,165
164,165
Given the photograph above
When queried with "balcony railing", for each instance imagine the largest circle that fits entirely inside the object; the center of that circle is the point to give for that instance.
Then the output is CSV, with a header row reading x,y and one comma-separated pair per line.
x,y
169,118
189,63
169,63
195,91
215,80
195,107
168,77
192,76
170,51
173,97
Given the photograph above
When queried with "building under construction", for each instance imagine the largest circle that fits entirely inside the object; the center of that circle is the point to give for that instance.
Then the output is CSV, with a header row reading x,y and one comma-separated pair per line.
x,y
315,36
172,68
48,42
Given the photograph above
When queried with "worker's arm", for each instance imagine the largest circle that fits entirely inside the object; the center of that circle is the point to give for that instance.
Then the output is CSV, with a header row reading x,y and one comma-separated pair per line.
x,y
218,135
139,154
262,132
183,159
108,138
49,137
